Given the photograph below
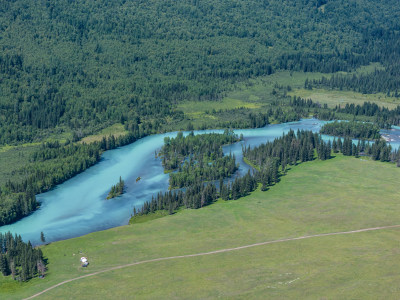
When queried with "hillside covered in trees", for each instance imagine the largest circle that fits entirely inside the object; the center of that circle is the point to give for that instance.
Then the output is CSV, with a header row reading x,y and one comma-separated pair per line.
x,y
75,67
80,65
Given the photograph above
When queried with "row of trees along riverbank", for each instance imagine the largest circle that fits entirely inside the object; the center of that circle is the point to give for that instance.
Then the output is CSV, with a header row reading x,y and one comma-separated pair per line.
x,y
356,130
287,150
270,161
198,158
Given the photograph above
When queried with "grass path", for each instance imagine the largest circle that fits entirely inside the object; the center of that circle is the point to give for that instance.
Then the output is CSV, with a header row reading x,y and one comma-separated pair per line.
x,y
213,252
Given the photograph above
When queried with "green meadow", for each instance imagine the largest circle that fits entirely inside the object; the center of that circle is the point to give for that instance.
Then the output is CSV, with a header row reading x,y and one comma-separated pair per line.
x,y
116,130
337,97
341,194
257,93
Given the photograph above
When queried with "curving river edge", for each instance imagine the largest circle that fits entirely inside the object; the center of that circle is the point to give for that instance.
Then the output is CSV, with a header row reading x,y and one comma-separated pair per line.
x,y
79,206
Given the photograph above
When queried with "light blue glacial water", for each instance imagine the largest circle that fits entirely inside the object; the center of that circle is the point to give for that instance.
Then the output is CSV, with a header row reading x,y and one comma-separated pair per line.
x,y
79,205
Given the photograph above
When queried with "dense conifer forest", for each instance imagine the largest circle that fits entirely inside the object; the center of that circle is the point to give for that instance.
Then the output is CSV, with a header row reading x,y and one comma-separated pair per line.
x,y
197,158
356,130
20,259
77,67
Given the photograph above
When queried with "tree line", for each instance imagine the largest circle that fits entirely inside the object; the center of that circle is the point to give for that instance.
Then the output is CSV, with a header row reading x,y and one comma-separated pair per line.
x,y
385,78
197,158
378,150
381,116
271,161
20,259
356,130
273,158
79,66
52,164
192,170
197,195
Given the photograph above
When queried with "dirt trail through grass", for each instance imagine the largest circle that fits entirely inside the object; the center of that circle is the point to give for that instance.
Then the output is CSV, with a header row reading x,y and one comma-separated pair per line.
x,y
214,252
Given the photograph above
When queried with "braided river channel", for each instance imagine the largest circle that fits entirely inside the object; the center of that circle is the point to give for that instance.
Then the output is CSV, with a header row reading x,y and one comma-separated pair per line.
x,y
79,206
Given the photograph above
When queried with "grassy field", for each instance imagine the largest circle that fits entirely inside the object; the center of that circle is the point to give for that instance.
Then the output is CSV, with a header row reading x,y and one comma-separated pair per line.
x,y
116,130
341,194
336,97
256,93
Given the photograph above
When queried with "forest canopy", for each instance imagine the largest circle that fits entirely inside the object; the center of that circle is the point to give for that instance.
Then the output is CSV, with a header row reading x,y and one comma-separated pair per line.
x,y
71,68
82,65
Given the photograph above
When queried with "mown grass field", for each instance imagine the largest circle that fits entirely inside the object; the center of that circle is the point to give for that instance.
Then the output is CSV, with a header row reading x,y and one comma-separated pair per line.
x,y
340,194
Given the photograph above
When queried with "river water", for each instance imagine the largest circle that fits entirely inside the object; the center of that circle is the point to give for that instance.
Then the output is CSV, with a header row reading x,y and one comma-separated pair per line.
x,y
79,205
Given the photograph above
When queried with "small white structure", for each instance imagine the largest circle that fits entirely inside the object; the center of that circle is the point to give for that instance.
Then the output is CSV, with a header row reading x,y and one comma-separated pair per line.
x,y
84,262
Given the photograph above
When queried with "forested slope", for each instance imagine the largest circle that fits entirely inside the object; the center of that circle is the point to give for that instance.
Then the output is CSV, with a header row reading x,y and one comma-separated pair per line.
x,y
84,64
76,67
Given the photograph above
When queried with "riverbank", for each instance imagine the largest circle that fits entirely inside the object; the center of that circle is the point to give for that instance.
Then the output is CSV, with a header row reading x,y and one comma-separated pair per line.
x,y
344,193
78,206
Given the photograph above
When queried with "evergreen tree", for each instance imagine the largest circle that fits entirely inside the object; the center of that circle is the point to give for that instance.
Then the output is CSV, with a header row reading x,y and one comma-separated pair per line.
x,y
42,237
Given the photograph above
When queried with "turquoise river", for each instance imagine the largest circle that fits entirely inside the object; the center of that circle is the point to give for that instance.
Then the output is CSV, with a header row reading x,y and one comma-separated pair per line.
x,y
79,205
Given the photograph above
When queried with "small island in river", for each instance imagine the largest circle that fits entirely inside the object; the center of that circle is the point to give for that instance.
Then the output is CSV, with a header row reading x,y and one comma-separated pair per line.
x,y
116,190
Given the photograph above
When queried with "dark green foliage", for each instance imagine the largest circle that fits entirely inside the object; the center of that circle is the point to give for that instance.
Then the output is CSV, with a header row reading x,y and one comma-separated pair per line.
x,y
356,130
241,118
116,190
271,158
240,187
290,149
347,148
198,195
83,65
20,259
42,237
52,164
378,150
195,196
80,66
382,116
197,157
385,79
192,170
287,150
16,205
